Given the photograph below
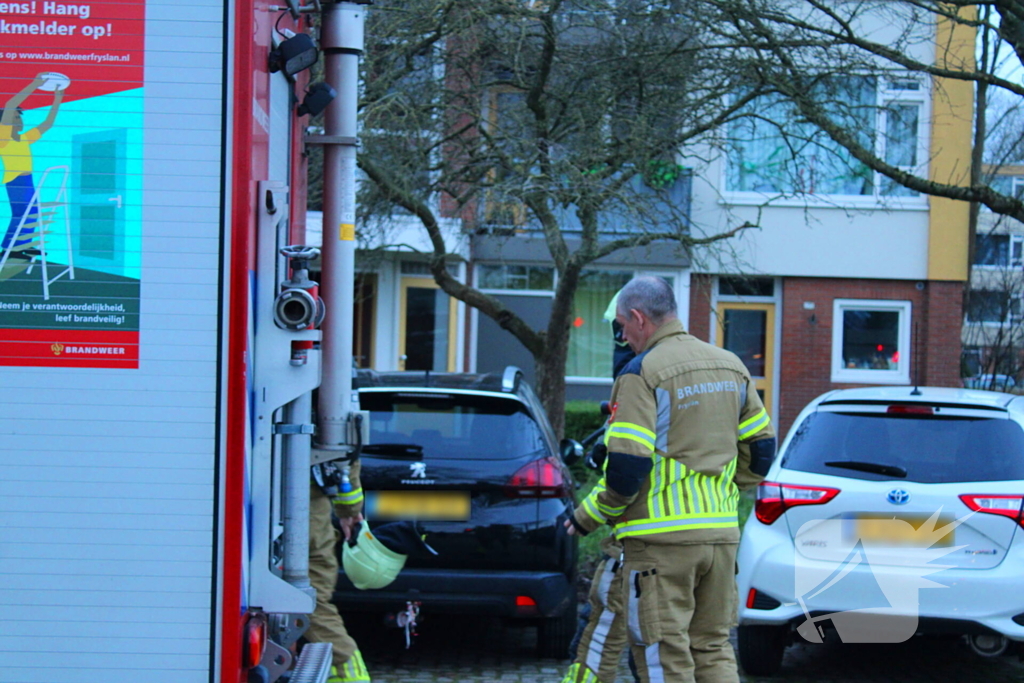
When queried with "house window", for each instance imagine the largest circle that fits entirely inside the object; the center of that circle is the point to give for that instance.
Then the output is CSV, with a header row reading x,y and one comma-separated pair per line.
x,y
998,250
993,306
590,338
519,278
1012,185
745,286
589,357
510,139
871,341
776,151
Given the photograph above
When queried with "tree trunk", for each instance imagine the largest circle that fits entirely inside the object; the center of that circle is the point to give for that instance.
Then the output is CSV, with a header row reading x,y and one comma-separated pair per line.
x,y
551,383
551,364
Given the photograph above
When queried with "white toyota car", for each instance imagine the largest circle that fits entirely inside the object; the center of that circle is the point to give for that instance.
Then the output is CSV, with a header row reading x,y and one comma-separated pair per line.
x,y
888,513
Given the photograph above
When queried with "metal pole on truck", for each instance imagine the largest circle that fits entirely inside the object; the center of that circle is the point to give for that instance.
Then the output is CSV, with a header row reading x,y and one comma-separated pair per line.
x,y
341,39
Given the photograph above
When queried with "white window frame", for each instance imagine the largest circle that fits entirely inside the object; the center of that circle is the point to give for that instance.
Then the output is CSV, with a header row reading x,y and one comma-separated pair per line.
x,y
843,375
885,95
477,267
1013,319
1011,262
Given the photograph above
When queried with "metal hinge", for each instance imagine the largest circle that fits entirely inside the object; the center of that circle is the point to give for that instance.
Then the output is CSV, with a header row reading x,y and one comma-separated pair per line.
x,y
331,140
283,428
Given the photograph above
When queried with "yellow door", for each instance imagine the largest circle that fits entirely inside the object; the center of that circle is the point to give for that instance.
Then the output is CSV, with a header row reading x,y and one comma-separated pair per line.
x,y
426,328
748,330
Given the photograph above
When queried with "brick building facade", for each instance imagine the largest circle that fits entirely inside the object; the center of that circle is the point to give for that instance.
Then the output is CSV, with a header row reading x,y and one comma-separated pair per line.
x,y
806,340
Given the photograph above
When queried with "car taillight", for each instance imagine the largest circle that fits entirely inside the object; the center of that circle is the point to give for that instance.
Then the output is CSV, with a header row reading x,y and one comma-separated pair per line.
x,y
255,640
773,498
538,479
1006,505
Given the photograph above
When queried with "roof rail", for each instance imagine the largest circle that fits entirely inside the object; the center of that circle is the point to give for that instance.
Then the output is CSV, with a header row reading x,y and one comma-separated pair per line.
x,y
510,378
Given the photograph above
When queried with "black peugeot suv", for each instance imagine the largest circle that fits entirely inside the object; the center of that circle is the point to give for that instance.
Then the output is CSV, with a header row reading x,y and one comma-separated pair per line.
x,y
474,459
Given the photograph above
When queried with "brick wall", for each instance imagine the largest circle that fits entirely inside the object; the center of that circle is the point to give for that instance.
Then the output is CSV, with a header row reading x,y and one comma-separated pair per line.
x,y
806,354
699,324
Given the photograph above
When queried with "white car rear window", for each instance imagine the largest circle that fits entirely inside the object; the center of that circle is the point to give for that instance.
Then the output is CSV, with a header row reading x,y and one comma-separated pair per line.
x,y
928,449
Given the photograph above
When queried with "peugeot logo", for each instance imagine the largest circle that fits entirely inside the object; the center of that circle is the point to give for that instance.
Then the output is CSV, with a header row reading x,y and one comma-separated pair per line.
x,y
898,497
418,470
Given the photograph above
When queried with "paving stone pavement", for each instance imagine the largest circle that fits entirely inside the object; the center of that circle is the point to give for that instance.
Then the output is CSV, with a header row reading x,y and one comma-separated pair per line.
x,y
478,650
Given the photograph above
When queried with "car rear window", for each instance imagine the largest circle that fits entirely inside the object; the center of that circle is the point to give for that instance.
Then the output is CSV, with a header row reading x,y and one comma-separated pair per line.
x,y
931,450
455,426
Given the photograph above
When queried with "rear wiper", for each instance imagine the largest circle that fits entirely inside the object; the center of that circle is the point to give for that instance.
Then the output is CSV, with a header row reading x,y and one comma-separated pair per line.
x,y
873,467
409,449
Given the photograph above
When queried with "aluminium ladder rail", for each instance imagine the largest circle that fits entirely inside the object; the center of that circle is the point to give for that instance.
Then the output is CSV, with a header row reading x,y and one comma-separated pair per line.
x,y
45,216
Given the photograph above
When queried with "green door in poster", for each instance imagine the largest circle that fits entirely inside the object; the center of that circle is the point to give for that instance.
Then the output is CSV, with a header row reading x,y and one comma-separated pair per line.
x,y
98,198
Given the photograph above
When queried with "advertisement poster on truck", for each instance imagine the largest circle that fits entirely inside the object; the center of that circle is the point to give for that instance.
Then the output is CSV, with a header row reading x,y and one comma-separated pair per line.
x,y
72,152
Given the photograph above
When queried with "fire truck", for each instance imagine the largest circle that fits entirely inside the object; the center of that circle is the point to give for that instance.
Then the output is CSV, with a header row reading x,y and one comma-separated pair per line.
x,y
160,338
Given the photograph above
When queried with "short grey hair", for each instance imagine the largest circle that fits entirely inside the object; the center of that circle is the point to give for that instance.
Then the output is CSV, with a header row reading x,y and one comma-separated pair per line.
x,y
652,296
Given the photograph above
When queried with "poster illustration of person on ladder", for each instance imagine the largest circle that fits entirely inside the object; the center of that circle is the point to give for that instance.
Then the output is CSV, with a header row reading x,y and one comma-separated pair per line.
x,y
16,153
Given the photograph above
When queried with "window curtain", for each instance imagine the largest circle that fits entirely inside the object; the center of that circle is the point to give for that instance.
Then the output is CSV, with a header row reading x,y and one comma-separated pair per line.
x,y
590,338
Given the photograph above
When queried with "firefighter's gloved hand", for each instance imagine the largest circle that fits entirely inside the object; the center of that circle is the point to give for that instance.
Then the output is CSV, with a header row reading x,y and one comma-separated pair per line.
x,y
404,538
596,457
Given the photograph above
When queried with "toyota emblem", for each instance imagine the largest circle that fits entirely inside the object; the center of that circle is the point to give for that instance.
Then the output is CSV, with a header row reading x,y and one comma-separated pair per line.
x,y
898,497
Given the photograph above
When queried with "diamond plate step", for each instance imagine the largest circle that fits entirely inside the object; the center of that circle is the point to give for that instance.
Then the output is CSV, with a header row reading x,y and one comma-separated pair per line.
x,y
314,665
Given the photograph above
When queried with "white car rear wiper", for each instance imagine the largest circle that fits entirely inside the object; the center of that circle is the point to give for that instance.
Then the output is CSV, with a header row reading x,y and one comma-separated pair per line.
x,y
873,467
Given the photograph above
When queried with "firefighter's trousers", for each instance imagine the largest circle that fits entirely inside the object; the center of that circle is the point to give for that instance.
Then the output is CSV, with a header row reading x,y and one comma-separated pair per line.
x,y
680,604
604,639
325,625
675,604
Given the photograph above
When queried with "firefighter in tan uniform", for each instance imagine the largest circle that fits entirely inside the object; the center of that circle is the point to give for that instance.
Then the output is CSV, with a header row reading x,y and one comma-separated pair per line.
x,y
687,432
325,624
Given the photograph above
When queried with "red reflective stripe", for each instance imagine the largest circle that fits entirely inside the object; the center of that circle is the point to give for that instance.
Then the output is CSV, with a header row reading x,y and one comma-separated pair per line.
x,y
242,217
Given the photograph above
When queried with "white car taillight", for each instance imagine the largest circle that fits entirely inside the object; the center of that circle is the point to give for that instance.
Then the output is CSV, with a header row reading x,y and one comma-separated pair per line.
x,y
774,498
1006,505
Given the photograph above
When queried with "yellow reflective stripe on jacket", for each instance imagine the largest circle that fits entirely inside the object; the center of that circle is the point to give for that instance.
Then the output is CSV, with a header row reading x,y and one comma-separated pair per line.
x,y
706,520
609,511
350,498
755,424
598,510
633,432
589,506
683,495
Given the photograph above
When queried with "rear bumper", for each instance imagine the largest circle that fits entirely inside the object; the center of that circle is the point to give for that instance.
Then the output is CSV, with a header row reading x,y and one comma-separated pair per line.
x,y
491,593
954,600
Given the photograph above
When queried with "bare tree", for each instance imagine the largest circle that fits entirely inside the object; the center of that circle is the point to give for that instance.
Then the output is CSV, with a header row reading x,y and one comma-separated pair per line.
x,y
993,335
839,82
561,119
809,51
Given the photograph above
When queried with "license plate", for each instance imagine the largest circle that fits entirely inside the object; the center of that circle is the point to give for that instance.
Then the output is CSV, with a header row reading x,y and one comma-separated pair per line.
x,y
438,506
897,530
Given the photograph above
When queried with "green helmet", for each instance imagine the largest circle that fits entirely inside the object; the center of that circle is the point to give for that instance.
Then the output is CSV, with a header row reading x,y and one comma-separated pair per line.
x,y
368,563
